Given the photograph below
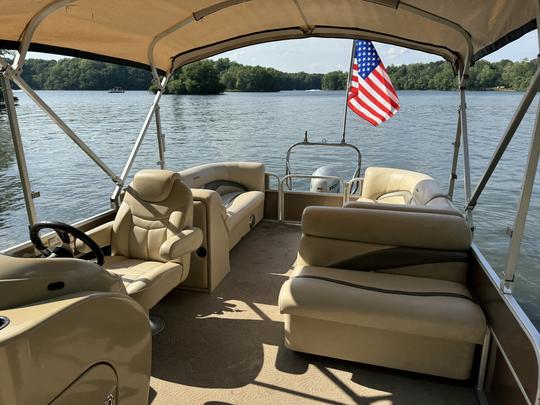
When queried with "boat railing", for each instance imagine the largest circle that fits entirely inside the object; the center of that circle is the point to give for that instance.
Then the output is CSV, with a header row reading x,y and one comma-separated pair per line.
x,y
284,179
324,143
354,182
268,176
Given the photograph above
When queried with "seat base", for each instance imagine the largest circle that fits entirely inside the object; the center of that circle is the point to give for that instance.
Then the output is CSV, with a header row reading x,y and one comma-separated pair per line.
x,y
421,354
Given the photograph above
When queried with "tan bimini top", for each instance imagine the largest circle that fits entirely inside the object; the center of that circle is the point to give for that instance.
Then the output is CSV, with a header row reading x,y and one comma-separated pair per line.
x,y
175,32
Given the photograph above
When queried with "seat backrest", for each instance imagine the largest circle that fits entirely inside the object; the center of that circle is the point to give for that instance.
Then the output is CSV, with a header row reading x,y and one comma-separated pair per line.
x,y
402,240
157,205
213,176
396,186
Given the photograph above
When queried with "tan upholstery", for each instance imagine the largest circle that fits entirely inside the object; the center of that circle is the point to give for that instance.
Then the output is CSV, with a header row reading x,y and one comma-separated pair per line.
x,y
439,317
428,334
248,174
146,281
385,285
229,202
396,186
151,237
382,238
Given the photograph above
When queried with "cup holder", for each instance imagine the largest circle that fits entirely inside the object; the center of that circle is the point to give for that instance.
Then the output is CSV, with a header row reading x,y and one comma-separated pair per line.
x,y
3,322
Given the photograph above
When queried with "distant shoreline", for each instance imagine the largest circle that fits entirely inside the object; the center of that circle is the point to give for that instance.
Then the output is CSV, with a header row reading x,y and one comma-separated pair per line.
x,y
217,76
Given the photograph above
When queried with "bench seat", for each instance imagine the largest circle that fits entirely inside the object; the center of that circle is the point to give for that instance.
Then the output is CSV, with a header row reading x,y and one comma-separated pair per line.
x,y
228,203
409,323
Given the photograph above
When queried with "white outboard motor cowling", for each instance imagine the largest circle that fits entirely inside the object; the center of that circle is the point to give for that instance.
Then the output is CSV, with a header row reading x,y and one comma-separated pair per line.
x,y
325,185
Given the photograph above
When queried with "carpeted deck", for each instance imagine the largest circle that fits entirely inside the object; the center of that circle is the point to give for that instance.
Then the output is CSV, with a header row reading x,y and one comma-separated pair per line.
x,y
227,347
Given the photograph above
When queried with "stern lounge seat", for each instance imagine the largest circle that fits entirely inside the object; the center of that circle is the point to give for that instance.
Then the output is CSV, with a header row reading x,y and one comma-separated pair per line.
x,y
384,287
404,187
228,203
240,186
151,237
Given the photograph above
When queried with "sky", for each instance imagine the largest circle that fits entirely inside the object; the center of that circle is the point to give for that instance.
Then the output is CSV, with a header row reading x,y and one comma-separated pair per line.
x,y
319,55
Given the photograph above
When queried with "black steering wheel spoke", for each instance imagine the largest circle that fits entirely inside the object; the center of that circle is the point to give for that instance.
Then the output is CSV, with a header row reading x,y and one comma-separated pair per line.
x,y
64,231
63,235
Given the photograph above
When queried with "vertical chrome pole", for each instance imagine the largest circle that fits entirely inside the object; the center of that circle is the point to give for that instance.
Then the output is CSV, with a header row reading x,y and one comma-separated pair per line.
x,y
347,94
509,274
453,171
140,138
523,208
465,140
19,149
482,368
160,139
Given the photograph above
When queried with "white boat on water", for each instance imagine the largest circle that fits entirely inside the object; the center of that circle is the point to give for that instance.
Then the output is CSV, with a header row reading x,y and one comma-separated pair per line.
x,y
116,90
206,285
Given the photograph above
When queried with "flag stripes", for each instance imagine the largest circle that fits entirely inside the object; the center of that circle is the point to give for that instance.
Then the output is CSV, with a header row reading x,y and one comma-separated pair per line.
x,y
371,94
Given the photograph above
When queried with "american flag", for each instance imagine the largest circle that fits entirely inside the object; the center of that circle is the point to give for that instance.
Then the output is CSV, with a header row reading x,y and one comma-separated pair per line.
x,y
371,94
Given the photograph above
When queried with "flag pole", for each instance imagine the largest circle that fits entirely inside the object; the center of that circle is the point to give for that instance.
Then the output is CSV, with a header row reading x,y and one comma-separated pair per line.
x,y
347,94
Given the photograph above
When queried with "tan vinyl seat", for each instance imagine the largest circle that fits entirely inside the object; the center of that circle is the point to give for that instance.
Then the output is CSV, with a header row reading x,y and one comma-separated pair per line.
x,y
151,237
384,285
228,203
404,187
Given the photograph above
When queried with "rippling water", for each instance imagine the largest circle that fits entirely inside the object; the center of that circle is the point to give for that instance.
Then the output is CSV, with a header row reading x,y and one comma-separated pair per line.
x,y
250,126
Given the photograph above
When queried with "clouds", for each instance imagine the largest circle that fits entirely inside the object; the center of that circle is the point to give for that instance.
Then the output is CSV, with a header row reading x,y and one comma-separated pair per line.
x,y
319,55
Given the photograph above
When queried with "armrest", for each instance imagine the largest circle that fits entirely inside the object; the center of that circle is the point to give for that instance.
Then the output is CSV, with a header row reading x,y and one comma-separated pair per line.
x,y
187,241
212,199
101,235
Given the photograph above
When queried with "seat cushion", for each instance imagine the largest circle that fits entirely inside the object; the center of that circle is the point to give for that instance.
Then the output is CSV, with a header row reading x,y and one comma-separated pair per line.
x,y
242,207
413,305
145,281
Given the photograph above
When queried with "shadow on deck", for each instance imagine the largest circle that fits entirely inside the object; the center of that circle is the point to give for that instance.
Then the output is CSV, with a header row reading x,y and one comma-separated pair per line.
x,y
227,347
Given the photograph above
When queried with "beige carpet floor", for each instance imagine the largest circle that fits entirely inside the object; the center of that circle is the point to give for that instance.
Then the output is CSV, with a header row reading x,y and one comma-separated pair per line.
x,y
227,347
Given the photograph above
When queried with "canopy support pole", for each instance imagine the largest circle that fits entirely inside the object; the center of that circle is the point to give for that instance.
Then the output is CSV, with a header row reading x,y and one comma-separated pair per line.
x,y
509,274
160,139
465,139
12,75
347,94
526,101
31,27
19,149
139,140
523,208
453,171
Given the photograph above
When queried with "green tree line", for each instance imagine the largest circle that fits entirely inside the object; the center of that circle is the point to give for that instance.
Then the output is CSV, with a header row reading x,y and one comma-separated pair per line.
x,y
217,76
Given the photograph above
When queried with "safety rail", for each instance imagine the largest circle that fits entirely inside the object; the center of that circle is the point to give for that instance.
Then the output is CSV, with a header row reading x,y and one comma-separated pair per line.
x,y
268,175
349,186
306,142
284,179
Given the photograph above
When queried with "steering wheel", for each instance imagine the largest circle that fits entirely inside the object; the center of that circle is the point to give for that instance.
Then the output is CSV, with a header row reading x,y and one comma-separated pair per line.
x,y
63,231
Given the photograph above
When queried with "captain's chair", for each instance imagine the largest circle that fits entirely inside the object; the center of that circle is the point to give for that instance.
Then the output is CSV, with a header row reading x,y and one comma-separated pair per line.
x,y
151,237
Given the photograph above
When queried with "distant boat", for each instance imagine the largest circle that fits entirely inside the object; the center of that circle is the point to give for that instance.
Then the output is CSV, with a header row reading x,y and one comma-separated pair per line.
x,y
116,90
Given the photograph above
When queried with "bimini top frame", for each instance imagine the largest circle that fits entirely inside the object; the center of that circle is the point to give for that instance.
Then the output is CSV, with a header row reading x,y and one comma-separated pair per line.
x,y
164,35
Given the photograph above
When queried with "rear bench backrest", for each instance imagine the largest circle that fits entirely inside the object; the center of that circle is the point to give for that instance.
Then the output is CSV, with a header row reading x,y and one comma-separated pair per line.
x,y
391,239
248,174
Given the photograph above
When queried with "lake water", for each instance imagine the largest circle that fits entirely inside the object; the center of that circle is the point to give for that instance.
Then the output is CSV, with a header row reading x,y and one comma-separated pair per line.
x,y
261,127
